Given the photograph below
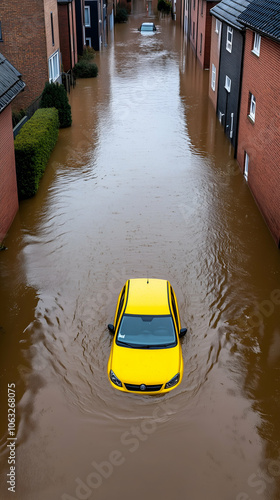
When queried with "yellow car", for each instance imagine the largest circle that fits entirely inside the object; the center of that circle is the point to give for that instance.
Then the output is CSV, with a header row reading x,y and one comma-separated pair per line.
x,y
146,354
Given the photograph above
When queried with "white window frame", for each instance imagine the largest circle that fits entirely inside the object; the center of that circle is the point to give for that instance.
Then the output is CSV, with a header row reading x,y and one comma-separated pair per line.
x,y
228,84
257,44
229,38
231,125
246,166
218,26
213,78
252,112
87,9
54,67
89,42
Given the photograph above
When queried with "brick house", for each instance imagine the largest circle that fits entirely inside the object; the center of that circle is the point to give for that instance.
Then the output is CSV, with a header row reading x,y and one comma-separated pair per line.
x,y
10,86
67,33
197,25
30,41
259,129
226,64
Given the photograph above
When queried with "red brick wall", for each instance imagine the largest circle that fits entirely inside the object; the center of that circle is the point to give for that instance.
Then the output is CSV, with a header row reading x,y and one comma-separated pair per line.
x,y
204,30
64,36
8,183
24,45
67,35
50,6
214,59
261,140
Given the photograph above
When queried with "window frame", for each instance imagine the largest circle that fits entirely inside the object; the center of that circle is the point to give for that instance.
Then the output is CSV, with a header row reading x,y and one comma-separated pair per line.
x,y
52,29
256,44
229,41
252,107
246,165
218,26
228,84
213,78
1,37
87,9
52,58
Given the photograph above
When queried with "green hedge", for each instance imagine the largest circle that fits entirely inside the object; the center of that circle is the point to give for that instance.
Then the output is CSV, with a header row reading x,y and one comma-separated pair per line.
x,y
55,96
85,69
33,146
121,14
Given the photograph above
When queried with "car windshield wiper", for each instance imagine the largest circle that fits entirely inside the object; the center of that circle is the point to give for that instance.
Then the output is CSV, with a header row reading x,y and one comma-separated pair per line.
x,y
127,344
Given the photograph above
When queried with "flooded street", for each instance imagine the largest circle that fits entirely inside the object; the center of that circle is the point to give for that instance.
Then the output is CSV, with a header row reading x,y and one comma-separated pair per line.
x,y
144,184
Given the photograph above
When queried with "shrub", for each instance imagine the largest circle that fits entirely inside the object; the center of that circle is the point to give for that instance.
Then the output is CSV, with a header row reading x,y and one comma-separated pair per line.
x,y
88,54
85,69
17,116
164,6
121,14
55,96
33,146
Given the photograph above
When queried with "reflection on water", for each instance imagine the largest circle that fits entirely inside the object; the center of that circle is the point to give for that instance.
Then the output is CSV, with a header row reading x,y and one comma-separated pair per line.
x,y
144,183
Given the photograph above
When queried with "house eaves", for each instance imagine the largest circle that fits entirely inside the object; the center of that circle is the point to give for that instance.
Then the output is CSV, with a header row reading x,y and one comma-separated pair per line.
x,y
263,17
228,11
10,83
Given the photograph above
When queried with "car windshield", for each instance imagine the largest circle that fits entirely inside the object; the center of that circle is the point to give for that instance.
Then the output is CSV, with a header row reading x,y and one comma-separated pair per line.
x,y
147,27
146,332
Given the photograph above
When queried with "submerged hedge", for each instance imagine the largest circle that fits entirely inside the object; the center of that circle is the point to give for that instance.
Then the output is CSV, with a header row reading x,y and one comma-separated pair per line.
x,y
33,146
55,96
85,69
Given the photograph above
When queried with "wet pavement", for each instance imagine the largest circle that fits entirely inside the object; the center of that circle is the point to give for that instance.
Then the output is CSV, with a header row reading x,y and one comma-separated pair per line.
x,y
144,183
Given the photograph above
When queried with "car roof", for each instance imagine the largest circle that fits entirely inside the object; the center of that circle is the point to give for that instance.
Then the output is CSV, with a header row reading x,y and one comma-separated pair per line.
x,y
147,296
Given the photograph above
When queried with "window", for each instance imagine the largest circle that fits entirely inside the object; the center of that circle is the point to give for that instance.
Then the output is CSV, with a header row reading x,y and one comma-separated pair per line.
x,y
200,47
52,29
227,83
213,78
218,26
246,166
257,44
54,71
193,4
229,39
252,108
1,39
174,307
231,125
201,12
120,306
87,17
88,42
193,29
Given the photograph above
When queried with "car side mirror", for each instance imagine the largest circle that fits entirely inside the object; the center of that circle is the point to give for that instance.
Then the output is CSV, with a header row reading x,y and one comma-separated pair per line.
x,y
111,328
183,332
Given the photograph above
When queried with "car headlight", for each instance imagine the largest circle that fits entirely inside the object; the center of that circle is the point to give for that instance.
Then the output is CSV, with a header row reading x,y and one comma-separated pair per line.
x,y
173,381
115,379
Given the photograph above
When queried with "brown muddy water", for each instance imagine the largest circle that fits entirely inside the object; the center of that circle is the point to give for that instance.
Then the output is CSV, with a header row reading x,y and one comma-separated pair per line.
x,y
143,184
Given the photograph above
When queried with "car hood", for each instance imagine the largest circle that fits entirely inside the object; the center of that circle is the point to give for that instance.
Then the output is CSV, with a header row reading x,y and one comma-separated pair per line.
x,y
145,366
